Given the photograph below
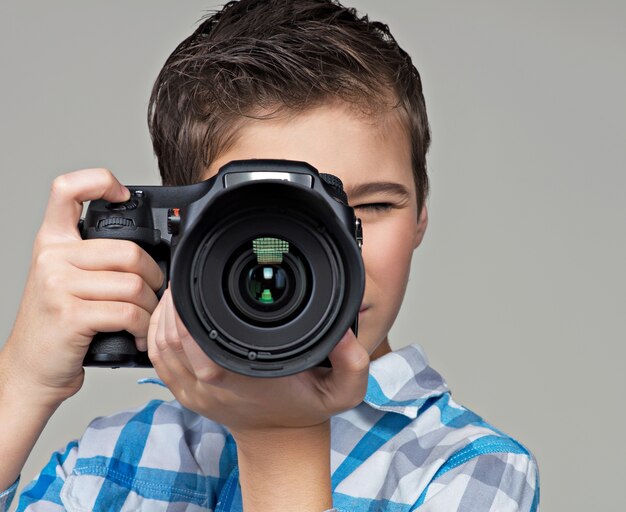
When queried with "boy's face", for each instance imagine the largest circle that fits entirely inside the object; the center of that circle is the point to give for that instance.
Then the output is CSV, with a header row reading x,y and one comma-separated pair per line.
x,y
372,158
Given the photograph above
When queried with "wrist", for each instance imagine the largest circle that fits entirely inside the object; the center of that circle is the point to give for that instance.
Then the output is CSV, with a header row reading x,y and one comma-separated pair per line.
x,y
23,416
17,391
27,401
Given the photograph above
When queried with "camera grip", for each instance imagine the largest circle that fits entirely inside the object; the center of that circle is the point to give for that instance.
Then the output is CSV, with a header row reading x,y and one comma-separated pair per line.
x,y
115,350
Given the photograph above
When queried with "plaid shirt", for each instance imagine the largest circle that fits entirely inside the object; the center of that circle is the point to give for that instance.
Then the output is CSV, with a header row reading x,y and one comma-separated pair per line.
x,y
407,447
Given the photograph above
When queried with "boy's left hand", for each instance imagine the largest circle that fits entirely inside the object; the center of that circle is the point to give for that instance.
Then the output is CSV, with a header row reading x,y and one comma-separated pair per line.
x,y
247,404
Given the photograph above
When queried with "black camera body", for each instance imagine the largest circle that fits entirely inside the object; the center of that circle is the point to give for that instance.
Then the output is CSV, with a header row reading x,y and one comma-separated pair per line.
x,y
263,261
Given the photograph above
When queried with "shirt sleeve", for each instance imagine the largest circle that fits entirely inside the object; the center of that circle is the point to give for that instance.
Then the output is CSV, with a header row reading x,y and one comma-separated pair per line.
x,y
493,482
44,492
6,497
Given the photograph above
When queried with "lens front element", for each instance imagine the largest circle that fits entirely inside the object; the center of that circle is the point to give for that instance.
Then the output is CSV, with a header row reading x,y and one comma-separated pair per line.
x,y
266,282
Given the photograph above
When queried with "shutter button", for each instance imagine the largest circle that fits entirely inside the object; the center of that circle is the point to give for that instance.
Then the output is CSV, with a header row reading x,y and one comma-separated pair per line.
x,y
131,204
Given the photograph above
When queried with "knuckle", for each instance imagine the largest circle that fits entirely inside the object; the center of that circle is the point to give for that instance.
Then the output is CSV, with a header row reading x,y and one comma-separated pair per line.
x,y
362,364
60,185
160,344
133,255
44,257
53,282
210,374
173,341
131,314
134,285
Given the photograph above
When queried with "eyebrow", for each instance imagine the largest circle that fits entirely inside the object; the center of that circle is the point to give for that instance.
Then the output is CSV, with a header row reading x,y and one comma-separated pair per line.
x,y
385,187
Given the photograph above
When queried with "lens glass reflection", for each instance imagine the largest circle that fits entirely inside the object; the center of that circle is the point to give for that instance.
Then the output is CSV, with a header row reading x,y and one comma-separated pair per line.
x,y
266,284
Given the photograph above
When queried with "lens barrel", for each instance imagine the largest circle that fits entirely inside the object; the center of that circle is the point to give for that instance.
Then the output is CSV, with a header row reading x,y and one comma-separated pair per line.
x,y
268,278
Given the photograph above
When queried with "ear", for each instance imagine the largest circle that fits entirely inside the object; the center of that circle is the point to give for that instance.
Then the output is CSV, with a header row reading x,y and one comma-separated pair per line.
x,y
422,224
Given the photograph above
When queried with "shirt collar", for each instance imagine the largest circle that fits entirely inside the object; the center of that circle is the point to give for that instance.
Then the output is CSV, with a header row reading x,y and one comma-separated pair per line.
x,y
402,381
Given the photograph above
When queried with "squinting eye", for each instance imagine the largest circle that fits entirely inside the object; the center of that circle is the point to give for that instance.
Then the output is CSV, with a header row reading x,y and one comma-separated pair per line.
x,y
377,207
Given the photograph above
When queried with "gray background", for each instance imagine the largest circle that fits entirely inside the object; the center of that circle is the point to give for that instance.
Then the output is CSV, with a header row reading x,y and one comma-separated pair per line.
x,y
518,292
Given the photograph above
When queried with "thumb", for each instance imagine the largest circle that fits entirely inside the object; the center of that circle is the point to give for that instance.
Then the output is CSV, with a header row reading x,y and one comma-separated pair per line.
x,y
349,355
347,382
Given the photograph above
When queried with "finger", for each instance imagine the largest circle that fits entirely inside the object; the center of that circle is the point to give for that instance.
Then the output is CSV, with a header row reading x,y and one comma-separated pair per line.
x,y
349,356
115,255
203,367
160,340
68,193
150,341
155,341
172,336
165,361
113,286
347,381
106,316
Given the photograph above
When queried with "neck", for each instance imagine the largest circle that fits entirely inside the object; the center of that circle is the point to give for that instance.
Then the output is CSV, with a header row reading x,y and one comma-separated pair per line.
x,y
381,349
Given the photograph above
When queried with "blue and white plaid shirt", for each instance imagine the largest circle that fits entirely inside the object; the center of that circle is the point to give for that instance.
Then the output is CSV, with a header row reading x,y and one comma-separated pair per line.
x,y
407,447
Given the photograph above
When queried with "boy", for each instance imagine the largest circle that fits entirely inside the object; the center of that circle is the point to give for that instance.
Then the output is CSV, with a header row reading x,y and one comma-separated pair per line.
x,y
303,80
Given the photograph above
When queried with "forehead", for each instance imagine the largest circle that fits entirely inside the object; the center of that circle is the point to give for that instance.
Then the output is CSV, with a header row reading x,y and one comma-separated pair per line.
x,y
356,147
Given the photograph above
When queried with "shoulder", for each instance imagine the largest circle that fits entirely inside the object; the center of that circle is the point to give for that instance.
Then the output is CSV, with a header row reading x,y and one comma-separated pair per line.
x,y
160,452
410,445
477,464
160,434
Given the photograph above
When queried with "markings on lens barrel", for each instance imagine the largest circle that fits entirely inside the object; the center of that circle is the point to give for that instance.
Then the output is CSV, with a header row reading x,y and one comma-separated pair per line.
x,y
252,355
213,334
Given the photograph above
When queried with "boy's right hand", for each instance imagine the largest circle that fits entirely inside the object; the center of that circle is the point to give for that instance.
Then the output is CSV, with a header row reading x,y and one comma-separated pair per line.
x,y
75,289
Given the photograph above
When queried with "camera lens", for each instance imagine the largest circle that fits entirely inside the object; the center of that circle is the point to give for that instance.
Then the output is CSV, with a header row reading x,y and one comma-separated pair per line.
x,y
267,281
267,278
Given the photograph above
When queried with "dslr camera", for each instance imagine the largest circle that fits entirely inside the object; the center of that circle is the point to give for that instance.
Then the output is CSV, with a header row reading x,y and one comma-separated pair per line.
x,y
263,261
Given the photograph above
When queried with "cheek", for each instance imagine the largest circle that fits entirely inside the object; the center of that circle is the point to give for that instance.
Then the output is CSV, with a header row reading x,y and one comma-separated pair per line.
x,y
387,251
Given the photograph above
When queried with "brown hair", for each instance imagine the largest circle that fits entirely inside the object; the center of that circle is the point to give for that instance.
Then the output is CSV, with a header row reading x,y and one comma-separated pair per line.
x,y
277,56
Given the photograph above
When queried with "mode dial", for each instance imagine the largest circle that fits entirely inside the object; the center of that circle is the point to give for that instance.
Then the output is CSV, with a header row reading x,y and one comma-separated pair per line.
x,y
115,223
336,184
